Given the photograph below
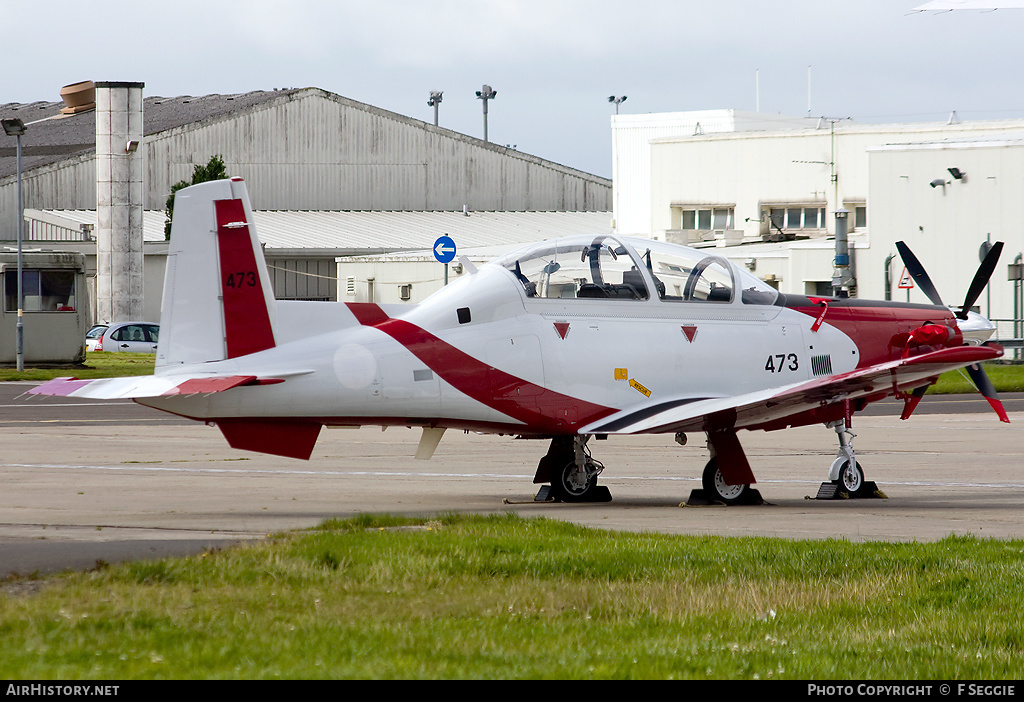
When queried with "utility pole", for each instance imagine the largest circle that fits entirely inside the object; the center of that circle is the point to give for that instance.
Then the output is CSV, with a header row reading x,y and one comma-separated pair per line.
x,y
434,101
16,128
486,93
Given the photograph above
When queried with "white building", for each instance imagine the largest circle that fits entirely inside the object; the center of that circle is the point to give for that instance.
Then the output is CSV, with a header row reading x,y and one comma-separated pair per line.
x,y
766,191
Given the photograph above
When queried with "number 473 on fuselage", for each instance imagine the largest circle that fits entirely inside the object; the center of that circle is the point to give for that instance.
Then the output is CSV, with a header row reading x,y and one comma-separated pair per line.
x,y
563,340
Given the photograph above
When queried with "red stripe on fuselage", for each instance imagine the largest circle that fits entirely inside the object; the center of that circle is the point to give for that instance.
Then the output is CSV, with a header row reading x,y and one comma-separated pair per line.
x,y
543,411
246,320
880,329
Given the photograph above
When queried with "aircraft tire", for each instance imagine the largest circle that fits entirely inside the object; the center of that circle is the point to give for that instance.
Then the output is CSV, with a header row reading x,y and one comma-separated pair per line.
x,y
851,481
716,488
567,487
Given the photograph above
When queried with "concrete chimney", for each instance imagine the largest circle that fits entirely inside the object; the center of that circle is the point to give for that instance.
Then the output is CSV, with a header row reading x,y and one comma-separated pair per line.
x,y
119,202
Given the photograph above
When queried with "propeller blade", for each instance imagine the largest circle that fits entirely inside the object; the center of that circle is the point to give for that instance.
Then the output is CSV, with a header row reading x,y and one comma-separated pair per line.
x,y
984,386
981,278
918,273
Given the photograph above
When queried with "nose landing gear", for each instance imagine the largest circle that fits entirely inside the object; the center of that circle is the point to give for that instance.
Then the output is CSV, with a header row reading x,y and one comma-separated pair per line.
x,y
845,476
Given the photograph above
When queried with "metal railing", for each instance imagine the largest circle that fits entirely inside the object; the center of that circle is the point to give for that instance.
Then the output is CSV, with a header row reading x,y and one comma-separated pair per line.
x,y
1010,335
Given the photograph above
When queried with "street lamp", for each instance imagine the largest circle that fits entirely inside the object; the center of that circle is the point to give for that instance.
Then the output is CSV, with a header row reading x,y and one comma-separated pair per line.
x,y
434,101
617,100
486,93
16,128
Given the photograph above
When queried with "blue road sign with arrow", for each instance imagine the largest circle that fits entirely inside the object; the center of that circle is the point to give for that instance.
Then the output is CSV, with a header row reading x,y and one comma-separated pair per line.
x,y
444,249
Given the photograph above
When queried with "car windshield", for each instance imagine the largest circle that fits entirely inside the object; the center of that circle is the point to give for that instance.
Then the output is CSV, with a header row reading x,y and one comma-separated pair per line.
x,y
95,332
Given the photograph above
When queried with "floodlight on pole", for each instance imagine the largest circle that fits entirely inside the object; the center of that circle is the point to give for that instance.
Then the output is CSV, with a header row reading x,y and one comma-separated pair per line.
x,y
16,128
486,93
434,101
617,101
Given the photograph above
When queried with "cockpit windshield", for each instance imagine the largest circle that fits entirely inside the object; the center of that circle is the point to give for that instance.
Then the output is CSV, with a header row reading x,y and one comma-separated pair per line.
x,y
690,275
592,267
602,267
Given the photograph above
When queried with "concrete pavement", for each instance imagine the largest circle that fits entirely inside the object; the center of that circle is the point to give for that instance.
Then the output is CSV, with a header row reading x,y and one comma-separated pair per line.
x,y
146,485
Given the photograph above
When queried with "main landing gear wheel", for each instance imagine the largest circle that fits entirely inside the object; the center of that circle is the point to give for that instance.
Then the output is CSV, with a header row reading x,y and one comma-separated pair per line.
x,y
574,483
715,487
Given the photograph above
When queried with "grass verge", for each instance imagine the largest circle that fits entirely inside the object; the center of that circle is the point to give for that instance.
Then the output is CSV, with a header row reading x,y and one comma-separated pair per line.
x,y
1004,377
504,597
97,365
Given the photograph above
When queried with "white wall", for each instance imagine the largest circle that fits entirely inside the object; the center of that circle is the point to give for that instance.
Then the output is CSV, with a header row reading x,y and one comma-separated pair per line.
x,y
945,226
753,168
632,136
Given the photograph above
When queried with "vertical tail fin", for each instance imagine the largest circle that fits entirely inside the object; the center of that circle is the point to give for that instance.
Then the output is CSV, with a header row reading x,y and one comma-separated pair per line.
x,y
217,303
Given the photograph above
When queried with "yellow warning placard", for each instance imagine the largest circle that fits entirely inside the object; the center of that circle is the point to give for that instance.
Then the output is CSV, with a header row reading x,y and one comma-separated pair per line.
x,y
639,388
621,374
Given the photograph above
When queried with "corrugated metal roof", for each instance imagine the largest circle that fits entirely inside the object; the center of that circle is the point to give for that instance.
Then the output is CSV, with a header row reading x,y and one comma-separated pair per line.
x,y
54,137
366,233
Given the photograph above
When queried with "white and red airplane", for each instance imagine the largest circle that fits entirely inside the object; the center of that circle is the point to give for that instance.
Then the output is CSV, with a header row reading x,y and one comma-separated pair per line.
x,y
563,340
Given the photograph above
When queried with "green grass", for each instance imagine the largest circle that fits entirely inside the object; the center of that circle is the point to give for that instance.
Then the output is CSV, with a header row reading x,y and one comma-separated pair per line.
x,y
1004,377
504,597
97,365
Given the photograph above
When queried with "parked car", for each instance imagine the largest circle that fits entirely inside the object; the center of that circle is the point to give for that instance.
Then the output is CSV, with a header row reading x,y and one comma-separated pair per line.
x,y
131,337
92,337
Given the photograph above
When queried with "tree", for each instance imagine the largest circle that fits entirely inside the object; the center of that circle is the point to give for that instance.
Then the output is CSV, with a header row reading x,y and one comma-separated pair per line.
x,y
213,170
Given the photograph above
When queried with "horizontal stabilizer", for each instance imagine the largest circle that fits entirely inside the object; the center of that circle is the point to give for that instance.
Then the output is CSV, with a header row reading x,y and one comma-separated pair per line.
x,y
153,385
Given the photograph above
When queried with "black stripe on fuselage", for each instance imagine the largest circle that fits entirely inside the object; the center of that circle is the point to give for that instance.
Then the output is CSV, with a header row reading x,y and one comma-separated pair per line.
x,y
645,413
798,301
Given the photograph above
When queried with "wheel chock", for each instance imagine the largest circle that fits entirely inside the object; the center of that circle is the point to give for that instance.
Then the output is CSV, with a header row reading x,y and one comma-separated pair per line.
x,y
699,498
600,493
831,491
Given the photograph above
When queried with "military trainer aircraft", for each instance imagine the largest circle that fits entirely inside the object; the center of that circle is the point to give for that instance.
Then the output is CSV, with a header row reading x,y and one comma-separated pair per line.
x,y
563,340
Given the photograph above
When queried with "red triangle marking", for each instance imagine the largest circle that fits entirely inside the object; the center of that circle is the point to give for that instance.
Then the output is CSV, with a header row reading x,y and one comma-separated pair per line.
x,y
690,332
562,328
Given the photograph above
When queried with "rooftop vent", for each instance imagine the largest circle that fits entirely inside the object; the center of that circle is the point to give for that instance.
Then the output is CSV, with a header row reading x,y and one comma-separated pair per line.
x,y
78,97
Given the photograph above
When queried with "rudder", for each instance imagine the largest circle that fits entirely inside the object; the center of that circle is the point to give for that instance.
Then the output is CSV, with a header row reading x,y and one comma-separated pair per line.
x,y
218,302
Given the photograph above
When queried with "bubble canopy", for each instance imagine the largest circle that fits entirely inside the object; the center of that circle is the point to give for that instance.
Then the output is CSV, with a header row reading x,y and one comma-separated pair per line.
x,y
620,268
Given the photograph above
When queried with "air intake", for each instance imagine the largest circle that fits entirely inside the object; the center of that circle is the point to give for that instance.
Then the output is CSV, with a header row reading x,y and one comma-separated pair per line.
x,y
821,365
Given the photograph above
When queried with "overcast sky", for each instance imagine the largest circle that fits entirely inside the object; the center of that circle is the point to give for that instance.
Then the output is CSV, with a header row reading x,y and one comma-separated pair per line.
x,y
553,63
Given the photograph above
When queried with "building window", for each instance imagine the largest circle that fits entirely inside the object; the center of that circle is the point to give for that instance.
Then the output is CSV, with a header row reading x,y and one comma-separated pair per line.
x,y
44,290
706,218
797,217
860,216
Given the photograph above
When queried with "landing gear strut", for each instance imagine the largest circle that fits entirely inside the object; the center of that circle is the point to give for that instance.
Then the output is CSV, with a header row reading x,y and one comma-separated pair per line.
x,y
845,477
572,472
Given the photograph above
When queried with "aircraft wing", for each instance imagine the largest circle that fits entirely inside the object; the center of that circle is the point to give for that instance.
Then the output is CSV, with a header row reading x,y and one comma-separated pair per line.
x,y
154,385
776,404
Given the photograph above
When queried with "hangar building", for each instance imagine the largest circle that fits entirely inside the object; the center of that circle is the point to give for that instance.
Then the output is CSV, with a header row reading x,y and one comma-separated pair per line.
x,y
329,178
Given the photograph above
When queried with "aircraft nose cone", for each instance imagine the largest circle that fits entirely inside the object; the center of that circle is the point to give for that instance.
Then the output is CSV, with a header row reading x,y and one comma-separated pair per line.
x,y
977,329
